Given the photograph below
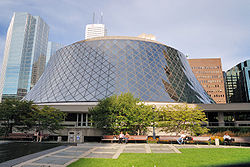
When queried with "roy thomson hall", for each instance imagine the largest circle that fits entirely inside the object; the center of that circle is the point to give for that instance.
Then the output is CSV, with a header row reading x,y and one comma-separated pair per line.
x,y
78,75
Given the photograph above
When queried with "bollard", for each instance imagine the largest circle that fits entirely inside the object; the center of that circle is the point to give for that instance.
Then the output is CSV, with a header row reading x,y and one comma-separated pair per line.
x,y
59,139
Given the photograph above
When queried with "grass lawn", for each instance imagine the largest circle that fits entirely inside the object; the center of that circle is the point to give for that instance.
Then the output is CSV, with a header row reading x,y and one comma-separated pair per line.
x,y
188,157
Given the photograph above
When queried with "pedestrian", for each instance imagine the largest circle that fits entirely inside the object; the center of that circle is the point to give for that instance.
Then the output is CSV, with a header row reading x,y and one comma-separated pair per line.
x,y
126,137
227,138
37,136
40,136
34,138
182,137
121,137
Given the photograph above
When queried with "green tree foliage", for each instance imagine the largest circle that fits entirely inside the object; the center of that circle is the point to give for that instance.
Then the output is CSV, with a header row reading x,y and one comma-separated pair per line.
x,y
48,118
15,113
122,113
24,115
177,118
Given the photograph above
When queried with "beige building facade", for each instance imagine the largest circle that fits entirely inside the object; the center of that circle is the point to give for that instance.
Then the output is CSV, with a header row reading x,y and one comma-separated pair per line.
x,y
209,73
78,127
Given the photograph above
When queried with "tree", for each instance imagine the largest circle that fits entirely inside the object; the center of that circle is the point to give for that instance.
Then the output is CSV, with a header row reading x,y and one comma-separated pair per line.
x,y
181,117
48,118
15,113
7,114
122,113
141,117
24,115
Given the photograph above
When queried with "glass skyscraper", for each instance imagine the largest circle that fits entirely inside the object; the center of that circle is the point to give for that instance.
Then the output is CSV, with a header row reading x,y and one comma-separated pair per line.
x,y
51,49
24,55
238,83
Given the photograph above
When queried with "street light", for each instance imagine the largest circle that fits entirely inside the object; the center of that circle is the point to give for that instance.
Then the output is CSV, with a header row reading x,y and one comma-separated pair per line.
x,y
154,121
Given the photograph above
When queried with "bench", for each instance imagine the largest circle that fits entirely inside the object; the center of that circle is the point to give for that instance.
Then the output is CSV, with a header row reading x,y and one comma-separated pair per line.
x,y
19,136
241,140
22,136
171,139
203,139
110,138
113,138
137,138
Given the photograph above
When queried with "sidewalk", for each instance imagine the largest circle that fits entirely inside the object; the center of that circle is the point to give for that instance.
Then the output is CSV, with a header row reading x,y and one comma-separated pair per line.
x,y
68,155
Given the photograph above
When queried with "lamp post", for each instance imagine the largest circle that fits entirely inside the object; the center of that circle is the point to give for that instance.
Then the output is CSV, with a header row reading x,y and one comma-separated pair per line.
x,y
153,122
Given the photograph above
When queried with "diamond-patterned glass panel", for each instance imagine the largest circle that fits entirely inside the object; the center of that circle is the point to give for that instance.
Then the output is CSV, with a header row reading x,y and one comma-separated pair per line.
x,y
95,69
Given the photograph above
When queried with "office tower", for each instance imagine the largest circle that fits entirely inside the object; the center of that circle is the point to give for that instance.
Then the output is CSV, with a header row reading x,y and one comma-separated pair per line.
x,y
24,55
209,73
225,85
147,36
51,49
95,30
238,83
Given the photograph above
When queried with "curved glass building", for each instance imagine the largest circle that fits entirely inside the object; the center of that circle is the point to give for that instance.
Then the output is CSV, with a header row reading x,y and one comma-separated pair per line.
x,y
93,69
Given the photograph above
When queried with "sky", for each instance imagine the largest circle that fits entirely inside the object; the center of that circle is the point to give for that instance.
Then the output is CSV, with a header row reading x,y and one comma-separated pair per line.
x,y
197,28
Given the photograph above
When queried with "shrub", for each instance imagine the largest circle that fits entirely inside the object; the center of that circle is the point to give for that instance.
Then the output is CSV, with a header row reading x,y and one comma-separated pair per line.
x,y
212,139
151,140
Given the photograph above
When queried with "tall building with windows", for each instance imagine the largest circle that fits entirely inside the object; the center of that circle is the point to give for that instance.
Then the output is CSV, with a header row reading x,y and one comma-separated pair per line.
x,y
238,83
209,73
95,30
24,55
51,49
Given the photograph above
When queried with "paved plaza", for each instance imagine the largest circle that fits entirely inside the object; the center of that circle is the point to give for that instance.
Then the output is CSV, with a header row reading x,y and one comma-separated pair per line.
x,y
69,154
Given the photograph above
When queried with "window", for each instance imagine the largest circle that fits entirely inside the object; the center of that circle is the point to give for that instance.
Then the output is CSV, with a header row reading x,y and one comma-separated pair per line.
x,y
71,117
212,118
243,116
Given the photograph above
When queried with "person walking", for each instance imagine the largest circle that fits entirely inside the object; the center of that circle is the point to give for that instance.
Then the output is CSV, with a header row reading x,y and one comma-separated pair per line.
x,y
40,136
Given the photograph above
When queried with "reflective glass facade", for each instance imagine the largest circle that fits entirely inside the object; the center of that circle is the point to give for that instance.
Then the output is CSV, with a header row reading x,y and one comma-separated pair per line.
x,y
238,83
24,55
51,49
93,69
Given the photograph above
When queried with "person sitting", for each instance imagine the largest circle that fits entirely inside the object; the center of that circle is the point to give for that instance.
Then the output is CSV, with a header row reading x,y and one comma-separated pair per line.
x,y
188,138
126,137
182,137
121,137
227,138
